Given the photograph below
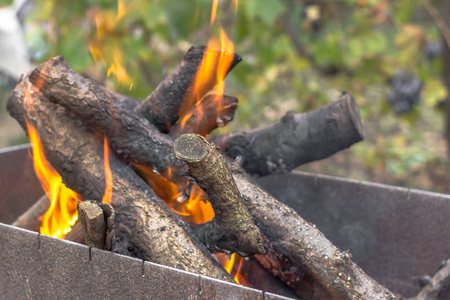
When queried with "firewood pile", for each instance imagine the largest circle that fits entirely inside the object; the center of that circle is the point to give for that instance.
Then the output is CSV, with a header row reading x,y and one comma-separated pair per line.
x,y
166,135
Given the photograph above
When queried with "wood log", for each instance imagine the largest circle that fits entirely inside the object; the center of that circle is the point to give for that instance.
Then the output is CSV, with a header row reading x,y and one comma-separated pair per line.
x,y
212,112
128,134
31,219
297,139
97,220
302,245
292,237
177,93
232,228
145,227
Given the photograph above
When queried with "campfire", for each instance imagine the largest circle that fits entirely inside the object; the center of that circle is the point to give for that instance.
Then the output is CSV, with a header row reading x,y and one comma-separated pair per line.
x,y
147,180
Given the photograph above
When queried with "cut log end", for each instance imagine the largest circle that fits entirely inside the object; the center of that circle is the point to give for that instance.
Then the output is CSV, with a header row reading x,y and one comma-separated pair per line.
x,y
354,114
233,228
191,148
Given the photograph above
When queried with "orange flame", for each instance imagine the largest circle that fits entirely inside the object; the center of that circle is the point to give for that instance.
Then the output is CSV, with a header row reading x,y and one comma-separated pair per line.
x,y
213,12
194,210
211,62
102,51
108,175
62,214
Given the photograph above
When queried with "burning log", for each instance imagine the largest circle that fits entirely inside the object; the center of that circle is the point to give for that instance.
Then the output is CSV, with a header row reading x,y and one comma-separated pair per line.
x,y
97,220
31,218
309,254
212,112
177,93
232,228
145,228
128,134
297,139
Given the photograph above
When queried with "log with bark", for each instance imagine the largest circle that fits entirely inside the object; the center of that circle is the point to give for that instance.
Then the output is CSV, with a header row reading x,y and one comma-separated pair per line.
x,y
297,139
296,251
232,228
145,227
177,93
31,219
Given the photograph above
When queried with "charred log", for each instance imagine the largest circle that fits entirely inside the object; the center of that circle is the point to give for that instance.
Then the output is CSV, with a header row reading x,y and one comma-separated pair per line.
x,y
177,93
212,112
145,228
31,219
232,228
297,139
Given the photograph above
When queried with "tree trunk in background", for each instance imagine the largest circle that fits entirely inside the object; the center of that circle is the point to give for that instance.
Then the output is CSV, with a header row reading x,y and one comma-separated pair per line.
x,y
445,11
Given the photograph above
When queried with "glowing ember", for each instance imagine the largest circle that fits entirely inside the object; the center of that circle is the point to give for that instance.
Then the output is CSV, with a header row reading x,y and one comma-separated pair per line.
x,y
195,210
108,176
62,214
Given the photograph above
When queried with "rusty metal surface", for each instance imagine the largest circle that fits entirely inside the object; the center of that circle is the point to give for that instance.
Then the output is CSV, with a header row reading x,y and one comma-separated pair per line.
x,y
19,188
394,234
34,266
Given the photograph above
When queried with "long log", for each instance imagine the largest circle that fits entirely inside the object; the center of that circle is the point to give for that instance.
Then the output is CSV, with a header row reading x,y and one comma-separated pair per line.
x,y
301,244
129,134
232,228
145,227
293,238
177,93
31,219
297,139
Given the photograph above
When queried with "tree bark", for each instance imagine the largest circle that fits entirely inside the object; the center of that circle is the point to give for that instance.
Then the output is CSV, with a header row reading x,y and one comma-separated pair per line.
x,y
212,112
128,134
301,245
145,227
297,139
291,237
176,94
232,228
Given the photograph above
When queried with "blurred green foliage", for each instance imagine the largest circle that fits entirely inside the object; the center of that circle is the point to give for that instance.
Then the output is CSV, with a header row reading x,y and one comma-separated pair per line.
x,y
288,63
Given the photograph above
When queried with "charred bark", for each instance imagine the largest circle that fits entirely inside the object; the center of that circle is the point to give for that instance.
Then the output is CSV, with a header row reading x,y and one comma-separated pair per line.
x,y
31,219
232,228
297,139
177,93
145,228
212,112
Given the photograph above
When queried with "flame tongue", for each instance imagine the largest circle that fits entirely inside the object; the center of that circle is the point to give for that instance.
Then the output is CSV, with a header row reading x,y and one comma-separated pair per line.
x,y
62,214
